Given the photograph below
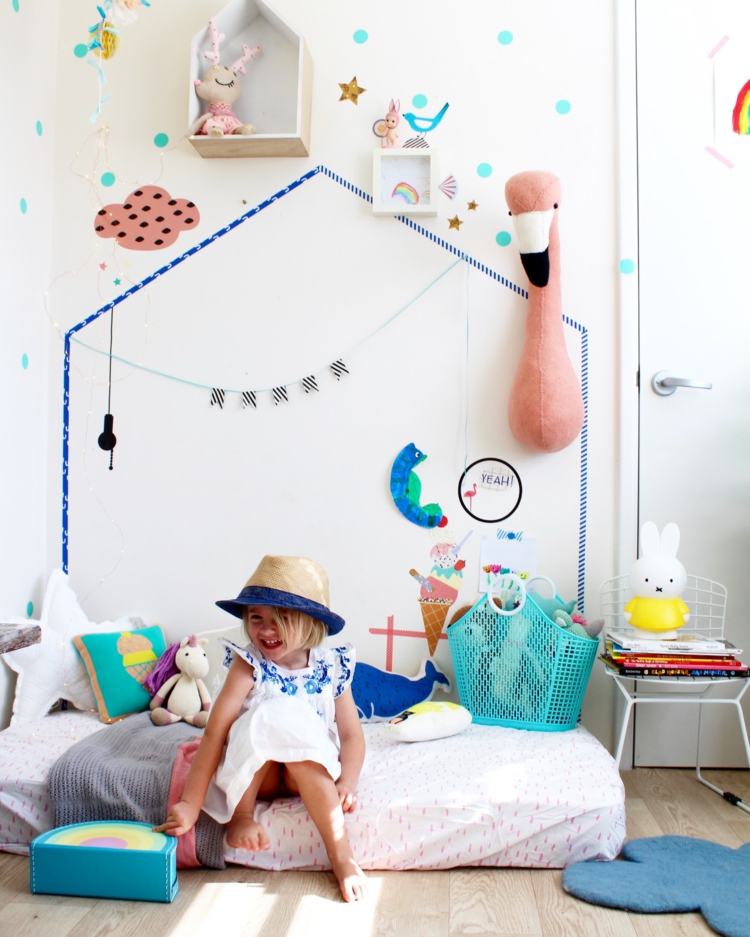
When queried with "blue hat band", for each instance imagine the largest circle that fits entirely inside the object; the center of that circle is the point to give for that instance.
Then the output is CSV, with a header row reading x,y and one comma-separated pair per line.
x,y
260,595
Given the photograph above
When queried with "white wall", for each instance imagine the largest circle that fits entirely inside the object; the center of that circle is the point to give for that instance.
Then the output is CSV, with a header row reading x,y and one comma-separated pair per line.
x,y
196,495
29,41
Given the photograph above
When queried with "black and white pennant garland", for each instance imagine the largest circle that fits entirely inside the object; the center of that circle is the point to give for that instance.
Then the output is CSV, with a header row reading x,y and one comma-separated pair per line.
x,y
279,394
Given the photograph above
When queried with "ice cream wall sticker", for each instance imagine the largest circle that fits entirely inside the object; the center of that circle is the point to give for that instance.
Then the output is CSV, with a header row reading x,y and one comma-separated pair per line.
x,y
439,590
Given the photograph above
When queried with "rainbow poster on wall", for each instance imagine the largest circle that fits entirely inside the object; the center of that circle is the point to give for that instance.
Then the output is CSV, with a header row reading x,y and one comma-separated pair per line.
x,y
732,101
741,112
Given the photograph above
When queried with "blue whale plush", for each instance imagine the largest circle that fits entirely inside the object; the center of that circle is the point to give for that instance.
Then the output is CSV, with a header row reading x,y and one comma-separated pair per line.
x,y
380,695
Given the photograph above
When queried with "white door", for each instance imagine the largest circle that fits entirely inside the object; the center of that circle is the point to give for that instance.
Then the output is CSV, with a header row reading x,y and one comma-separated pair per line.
x,y
694,284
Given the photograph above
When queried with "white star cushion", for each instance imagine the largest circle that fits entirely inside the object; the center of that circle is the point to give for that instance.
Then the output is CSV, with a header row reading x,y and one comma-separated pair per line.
x,y
53,669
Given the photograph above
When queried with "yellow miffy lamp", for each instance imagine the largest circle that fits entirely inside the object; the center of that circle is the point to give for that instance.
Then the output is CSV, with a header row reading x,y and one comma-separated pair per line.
x,y
657,580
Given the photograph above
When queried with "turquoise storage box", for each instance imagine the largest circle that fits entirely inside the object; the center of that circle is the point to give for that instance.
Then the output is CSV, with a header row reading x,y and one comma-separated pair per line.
x,y
105,859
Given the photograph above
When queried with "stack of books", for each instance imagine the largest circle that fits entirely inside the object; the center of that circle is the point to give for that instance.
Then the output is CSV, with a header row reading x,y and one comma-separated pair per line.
x,y
689,655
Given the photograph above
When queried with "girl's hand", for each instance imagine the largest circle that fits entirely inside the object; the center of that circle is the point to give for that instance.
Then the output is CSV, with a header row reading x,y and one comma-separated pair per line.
x,y
347,796
181,818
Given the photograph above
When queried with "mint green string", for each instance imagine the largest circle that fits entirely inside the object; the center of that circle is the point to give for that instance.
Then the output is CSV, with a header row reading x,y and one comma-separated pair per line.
x,y
260,390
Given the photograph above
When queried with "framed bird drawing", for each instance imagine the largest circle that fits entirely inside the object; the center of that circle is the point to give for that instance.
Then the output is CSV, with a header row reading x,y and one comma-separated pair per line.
x,y
404,181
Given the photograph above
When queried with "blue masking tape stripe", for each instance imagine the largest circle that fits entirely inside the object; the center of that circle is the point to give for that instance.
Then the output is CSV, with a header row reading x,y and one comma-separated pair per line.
x,y
584,467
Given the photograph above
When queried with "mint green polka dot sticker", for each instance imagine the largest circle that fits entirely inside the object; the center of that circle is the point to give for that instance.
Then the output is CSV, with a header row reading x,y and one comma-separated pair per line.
x,y
505,38
24,361
108,178
503,238
419,100
39,128
626,266
15,5
29,609
24,206
161,139
80,50
360,36
563,107
484,170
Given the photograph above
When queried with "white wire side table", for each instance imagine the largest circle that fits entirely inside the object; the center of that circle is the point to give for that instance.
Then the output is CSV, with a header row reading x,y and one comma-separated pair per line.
x,y
707,601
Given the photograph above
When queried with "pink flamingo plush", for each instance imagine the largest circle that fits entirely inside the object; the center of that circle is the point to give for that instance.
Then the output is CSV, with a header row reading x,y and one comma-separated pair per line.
x,y
546,407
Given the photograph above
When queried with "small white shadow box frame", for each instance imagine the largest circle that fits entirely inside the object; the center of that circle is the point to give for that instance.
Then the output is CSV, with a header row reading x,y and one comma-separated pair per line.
x,y
404,182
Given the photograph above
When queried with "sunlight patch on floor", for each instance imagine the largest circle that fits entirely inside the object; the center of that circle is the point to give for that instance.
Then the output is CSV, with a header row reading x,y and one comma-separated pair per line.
x,y
323,914
234,909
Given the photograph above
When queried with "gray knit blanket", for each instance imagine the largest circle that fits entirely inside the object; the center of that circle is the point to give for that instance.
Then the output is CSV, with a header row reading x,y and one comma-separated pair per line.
x,y
124,773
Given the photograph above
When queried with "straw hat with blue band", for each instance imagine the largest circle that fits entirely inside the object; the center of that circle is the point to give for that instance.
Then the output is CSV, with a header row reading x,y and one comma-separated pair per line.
x,y
293,582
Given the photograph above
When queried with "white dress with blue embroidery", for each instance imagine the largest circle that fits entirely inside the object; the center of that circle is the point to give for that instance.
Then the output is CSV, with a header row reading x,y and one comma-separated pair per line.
x,y
289,715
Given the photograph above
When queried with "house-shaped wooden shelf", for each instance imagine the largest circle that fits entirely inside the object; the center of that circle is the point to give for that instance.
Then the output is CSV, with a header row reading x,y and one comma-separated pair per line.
x,y
276,92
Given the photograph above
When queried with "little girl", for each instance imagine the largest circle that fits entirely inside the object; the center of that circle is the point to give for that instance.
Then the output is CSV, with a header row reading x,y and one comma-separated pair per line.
x,y
287,717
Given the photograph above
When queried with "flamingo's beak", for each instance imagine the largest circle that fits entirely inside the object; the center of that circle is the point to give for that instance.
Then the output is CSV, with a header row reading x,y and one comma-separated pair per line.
x,y
532,233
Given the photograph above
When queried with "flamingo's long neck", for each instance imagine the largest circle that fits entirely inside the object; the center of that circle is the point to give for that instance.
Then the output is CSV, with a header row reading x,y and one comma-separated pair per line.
x,y
544,319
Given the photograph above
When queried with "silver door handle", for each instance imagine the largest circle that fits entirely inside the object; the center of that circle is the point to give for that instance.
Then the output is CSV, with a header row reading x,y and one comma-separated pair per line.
x,y
664,384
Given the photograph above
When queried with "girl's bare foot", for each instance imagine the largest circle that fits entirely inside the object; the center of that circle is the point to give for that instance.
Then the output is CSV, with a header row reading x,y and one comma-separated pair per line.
x,y
352,880
244,832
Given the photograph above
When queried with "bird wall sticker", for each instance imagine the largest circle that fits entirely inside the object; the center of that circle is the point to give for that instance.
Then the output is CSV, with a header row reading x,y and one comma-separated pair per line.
x,y
545,410
425,124
406,490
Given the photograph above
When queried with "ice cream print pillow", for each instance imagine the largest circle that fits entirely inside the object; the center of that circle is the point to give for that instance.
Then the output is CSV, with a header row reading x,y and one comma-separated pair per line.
x,y
117,664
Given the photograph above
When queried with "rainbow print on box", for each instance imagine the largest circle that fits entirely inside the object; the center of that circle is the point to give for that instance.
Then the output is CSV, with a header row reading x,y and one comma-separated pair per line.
x,y
406,193
105,859
741,112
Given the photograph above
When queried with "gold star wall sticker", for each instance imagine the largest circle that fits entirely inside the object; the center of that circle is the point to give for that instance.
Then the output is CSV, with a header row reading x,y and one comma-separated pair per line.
x,y
473,205
351,91
454,223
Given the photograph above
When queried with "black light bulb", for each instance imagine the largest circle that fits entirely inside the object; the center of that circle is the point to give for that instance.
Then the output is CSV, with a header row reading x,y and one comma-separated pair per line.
x,y
107,439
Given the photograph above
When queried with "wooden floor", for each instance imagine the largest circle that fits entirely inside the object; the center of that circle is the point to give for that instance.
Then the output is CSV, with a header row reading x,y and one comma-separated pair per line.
x,y
242,902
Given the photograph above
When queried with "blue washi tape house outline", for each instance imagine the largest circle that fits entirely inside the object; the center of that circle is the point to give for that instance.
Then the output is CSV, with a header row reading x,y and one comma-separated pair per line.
x,y
324,171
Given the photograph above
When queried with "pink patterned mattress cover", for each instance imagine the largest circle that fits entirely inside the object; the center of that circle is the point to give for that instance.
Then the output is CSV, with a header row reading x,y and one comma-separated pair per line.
x,y
489,796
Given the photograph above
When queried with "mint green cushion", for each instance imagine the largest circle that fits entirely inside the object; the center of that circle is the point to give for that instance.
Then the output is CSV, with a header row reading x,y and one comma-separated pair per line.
x,y
117,663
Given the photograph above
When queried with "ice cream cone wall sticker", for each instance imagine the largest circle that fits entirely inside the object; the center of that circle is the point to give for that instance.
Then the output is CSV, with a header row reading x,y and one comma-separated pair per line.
x,y
546,405
439,590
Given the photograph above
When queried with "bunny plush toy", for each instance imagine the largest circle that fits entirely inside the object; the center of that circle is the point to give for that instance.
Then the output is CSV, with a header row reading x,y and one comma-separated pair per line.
x,y
657,580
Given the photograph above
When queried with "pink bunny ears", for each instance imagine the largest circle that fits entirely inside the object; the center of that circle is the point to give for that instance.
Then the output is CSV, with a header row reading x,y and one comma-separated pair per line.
x,y
213,55
395,107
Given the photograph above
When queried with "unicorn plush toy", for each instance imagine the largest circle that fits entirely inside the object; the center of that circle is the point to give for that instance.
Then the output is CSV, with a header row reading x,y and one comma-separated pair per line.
x,y
177,684
221,88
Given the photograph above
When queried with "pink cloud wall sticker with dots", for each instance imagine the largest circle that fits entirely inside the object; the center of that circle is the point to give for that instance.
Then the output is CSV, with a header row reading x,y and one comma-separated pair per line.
x,y
148,220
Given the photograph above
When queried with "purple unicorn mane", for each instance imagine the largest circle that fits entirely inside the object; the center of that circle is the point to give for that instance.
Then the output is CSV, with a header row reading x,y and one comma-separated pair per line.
x,y
164,669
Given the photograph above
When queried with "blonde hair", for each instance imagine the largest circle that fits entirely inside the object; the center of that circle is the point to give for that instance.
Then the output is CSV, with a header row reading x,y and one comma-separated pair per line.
x,y
296,629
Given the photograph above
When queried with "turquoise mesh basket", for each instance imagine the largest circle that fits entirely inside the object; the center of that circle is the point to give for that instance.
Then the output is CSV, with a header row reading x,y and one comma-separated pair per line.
x,y
518,669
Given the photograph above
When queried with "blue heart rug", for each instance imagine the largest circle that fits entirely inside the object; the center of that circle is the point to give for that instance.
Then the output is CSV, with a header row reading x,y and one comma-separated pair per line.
x,y
672,874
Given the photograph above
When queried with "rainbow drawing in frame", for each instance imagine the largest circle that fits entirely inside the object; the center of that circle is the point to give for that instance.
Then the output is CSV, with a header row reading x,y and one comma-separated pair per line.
x,y
403,182
741,112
